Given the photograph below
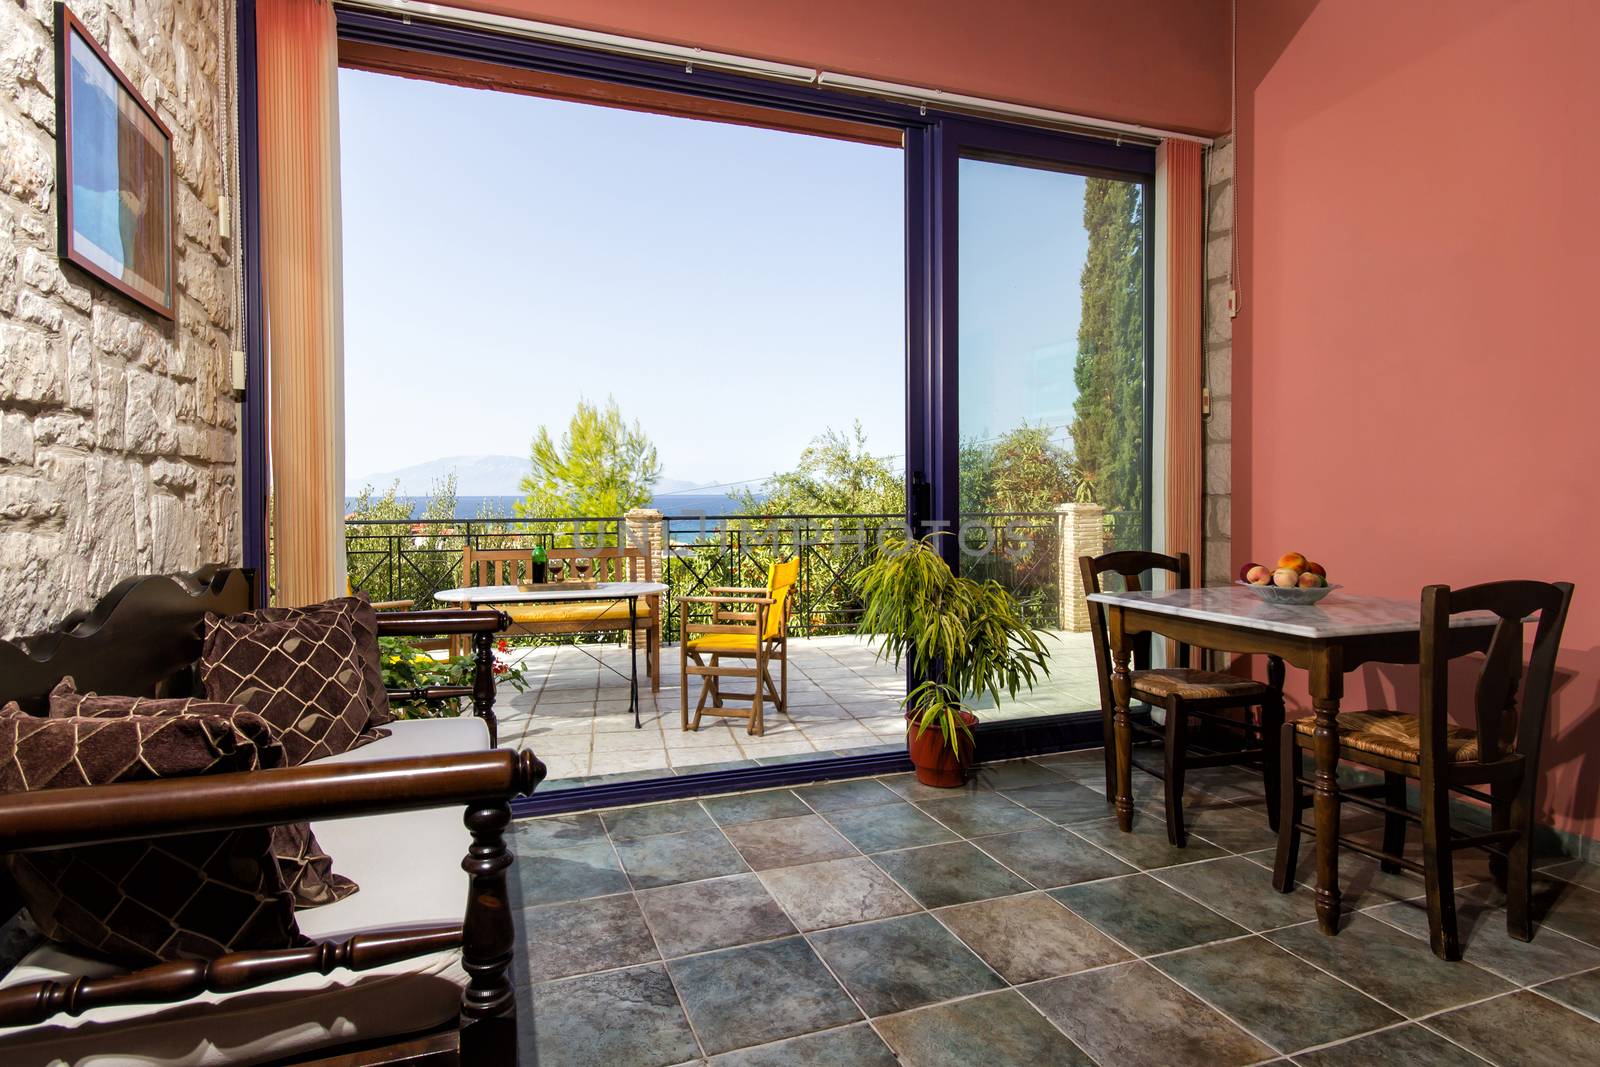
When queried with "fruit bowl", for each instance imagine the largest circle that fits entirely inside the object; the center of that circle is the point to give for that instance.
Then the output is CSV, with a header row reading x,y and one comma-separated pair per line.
x,y
1277,594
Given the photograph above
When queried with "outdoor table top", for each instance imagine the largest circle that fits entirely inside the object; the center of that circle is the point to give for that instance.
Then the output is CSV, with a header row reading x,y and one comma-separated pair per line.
x,y
1339,614
510,594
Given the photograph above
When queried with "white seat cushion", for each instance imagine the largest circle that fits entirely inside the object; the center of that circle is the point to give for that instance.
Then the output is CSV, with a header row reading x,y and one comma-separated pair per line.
x,y
408,865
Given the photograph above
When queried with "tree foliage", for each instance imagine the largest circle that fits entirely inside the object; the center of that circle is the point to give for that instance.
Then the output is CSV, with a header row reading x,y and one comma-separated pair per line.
x,y
1108,427
1024,470
836,475
603,466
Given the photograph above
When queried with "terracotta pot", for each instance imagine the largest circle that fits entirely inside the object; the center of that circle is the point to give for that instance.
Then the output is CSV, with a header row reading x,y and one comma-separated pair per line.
x,y
936,765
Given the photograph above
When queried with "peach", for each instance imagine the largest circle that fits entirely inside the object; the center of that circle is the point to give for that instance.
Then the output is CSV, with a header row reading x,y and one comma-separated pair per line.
x,y
1316,568
1244,572
1286,577
1258,575
1292,561
1310,580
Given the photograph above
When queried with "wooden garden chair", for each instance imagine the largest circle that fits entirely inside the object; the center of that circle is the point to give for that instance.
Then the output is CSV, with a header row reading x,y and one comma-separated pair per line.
x,y
747,623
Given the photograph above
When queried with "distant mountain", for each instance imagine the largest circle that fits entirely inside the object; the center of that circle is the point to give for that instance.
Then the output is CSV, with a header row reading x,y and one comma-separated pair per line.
x,y
475,476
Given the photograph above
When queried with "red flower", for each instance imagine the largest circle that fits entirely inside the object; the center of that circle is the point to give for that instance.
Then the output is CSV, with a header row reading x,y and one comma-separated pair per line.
x,y
504,645
500,668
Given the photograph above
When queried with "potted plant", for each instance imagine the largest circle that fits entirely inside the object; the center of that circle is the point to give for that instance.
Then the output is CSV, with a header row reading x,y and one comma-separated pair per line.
x,y
962,637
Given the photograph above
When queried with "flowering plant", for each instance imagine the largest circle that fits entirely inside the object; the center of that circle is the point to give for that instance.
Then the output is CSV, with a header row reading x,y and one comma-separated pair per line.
x,y
405,667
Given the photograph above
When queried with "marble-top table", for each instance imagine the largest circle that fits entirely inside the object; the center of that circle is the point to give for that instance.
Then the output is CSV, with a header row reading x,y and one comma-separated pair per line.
x,y
557,593
1327,639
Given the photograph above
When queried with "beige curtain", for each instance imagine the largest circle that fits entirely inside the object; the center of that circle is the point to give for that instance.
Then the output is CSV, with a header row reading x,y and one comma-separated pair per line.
x,y
1180,167
298,57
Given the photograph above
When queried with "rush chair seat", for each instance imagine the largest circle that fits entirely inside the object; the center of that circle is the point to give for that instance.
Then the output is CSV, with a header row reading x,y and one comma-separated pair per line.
x,y
1183,693
1499,751
747,623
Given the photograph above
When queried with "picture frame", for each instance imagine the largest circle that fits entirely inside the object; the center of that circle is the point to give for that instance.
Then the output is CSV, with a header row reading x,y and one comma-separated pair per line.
x,y
114,174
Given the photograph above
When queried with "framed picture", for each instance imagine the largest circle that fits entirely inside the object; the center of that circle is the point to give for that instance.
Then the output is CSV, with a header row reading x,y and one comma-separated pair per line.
x,y
114,173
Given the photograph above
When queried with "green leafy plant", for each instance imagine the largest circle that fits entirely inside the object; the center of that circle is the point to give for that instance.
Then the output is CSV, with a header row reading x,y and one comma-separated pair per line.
x,y
963,637
405,667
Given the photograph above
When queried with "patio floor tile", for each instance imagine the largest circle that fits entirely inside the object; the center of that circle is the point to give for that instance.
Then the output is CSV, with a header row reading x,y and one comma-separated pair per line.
x,y
755,807
602,1020
886,826
1133,1015
1325,1009
557,831
759,993
1030,937
1401,972
851,1046
711,914
627,824
1052,857
550,876
1523,1028
1146,915
668,859
852,793
579,936
896,964
957,873
1411,1045
982,813
787,842
836,893
1015,774
996,1030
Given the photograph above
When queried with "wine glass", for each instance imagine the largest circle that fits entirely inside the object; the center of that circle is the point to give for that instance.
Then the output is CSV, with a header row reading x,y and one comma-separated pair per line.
x,y
556,568
581,569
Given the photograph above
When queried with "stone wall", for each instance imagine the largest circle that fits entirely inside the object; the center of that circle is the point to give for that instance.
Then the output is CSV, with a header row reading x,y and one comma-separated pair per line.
x,y
118,429
1219,366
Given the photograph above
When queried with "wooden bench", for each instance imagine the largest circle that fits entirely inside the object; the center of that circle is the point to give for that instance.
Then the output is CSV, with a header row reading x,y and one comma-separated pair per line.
x,y
511,566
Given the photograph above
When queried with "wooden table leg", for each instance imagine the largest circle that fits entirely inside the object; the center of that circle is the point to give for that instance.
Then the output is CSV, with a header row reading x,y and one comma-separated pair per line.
x,y
1122,693
1327,687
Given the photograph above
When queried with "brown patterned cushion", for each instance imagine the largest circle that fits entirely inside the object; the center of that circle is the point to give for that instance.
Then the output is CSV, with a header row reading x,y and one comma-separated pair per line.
x,y
300,674
1195,685
355,611
1394,734
306,870
142,902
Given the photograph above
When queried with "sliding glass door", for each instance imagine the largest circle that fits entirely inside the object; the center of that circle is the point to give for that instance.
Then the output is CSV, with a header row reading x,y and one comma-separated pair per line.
x,y
1045,346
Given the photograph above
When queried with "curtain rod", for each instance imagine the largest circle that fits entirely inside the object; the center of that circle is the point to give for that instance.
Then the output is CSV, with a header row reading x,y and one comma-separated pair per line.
x,y
691,58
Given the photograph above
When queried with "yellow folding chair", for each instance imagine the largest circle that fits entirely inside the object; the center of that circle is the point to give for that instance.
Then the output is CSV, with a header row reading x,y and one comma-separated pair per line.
x,y
747,623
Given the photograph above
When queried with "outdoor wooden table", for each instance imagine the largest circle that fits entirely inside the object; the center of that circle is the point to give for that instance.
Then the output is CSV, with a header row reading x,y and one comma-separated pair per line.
x,y
556,593
1327,639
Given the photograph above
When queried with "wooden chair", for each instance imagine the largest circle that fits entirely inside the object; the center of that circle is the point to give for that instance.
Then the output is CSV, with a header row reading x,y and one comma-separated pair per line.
x,y
1500,750
509,566
1183,693
747,623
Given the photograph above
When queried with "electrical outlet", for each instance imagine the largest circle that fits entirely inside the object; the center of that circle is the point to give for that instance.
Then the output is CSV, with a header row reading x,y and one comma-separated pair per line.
x,y
238,372
1233,302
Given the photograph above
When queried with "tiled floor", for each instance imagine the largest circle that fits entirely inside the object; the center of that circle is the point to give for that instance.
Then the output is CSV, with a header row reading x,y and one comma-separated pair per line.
x,y
843,699
875,922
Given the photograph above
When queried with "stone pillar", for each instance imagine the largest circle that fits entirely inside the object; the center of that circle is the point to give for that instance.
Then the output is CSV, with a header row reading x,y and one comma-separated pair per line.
x,y
645,528
1080,531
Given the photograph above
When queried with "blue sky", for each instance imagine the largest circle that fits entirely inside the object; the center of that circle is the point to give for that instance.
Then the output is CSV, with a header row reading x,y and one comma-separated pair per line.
x,y
737,290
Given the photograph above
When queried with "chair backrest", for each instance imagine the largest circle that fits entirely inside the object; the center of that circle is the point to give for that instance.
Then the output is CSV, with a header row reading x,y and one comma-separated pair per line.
x,y
496,566
781,578
608,564
1513,691
1130,567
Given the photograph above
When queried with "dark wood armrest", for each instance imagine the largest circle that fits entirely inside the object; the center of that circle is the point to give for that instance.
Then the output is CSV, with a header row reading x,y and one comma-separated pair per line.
x,y
442,621
91,815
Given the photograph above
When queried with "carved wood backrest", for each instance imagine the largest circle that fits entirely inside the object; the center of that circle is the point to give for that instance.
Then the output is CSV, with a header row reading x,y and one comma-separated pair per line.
x,y
140,639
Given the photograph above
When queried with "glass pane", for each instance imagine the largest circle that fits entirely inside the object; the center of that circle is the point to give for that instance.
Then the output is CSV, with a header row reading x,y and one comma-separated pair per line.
x,y
1054,456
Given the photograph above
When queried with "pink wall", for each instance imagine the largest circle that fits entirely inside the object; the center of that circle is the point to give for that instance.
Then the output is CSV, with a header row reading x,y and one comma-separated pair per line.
x,y
1417,372
1159,62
